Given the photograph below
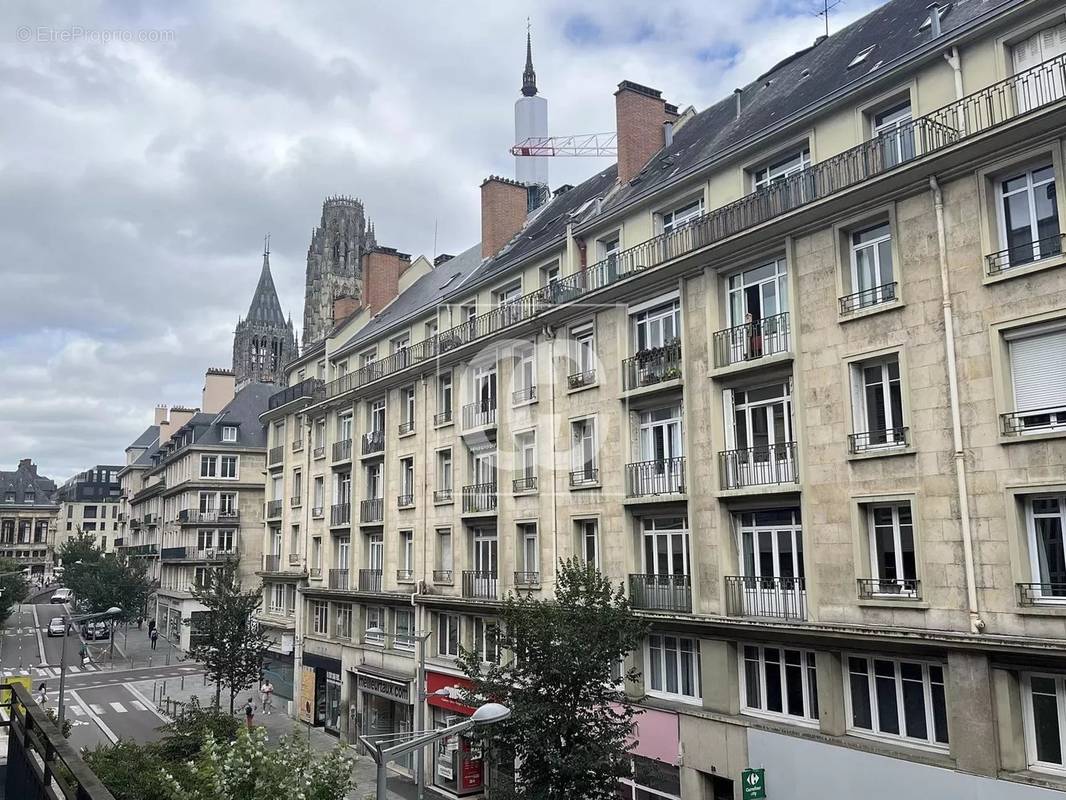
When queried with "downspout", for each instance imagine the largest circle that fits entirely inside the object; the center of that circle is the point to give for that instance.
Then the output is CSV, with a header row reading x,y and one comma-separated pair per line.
x,y
549,334
977,625
955,60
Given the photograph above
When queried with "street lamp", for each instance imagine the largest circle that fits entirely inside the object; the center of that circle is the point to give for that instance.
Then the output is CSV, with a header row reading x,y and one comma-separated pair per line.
x,y
69,620
487,714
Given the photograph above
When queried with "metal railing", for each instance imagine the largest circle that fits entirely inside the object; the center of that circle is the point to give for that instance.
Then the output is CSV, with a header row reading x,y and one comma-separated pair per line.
x,y
479,414
442,576
662,592
878,440
191,516
342,450
527,578
525,395
273,508
576,380
405,575
656,477
142,549
405,500
315,573
294,559
173,553
479,584
372,510
779,598
442,496
1035,593
442,417
753,340
339,579
1019,255
317,512
297,445
405,428
319,452
887,588
586,476
312,389
867,298
527,483
370,580
479,497
373,442
766,465
276,455
340,514
272,563
295,501
1036,420
652,366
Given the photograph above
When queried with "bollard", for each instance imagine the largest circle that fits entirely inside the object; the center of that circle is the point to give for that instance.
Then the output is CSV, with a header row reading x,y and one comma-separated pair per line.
x,y
149,661
164,690
183,683
168,659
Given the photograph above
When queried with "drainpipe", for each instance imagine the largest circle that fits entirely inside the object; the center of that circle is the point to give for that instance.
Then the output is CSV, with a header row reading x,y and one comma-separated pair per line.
x,y
955,61
977,625
548,332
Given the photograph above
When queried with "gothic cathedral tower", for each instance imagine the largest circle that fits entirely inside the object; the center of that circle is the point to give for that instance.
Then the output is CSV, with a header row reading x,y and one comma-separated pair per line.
x,y
334,263
264,341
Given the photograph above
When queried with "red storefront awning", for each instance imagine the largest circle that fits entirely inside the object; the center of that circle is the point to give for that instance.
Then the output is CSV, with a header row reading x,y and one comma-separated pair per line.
x,y
436,681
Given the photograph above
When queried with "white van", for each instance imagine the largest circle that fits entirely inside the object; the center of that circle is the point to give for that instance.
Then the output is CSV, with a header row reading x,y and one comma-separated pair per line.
x,y
62,596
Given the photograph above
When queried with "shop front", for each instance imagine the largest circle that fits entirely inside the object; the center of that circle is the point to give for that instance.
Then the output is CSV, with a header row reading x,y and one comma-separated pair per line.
x,y
320,692
655,757
278,667
458,761
384,707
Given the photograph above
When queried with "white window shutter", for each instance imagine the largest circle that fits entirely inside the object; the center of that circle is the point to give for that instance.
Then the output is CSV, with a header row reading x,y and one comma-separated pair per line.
x,y
727,411
1038,371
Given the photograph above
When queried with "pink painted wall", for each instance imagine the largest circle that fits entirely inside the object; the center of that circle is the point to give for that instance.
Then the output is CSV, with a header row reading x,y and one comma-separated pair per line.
x,y
657,735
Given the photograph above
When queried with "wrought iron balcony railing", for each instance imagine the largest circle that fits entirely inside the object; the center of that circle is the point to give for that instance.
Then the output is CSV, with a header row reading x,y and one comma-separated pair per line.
x,y
527,483
663,592
191,516
405,500
577,380
295,501
372,510
479,414
272,563
766,465
373,442
656,477
776,597
442,576
442,496
319,452
294,559
752,340
370,580
276,455
586,476
1037,420
890,588
273,508
1020,255
312,389
339,579
405,428
342,450
315,573
525,395
479,584
872,441
479,497
317,512
652,366
297,445
868,298
443,417
527,578
340,514
405,575
1036,593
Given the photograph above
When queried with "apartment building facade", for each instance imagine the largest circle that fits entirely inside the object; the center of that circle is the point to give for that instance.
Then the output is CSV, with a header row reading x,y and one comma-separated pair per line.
x,y
790,372
89,503
28,514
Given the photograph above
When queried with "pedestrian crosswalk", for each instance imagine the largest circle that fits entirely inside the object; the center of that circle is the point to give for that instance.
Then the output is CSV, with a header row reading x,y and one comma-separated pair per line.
x,y
47,672
101,709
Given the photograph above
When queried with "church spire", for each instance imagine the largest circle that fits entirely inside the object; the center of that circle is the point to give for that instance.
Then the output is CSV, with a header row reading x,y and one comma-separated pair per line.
x,y
529,77
265,306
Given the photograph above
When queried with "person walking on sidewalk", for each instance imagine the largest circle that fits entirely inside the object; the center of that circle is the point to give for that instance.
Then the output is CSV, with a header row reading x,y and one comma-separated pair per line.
x,y
151,627
249,714
83,654
154,636
42,694
266,695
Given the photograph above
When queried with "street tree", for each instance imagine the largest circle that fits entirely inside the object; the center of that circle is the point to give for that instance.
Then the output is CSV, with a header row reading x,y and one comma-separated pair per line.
x,y
230,644
13,587
101,580
557,669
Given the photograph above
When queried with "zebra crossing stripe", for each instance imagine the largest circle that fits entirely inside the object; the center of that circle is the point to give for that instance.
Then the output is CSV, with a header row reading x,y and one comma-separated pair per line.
x,y
77,710
138,705
97,709
73,669
118,707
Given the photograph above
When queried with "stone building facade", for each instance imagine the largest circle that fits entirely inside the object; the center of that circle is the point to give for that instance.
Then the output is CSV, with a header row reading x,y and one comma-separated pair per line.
x,y
28,511
264,341
90,503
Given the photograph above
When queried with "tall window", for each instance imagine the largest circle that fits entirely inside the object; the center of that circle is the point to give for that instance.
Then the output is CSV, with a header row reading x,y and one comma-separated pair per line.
x,y
583,461
376,416
373,482
657,326
344,552
229,466
1046,524
374,633
407,407
897,699
407,480
407,552
682,215
1038,375
319,617
894,134
486,641
781,168
320,433
319,493
892,561
665,545
343,487
525,375
403,629
588,540
878,399
758,293
444,397
444,470
1039,85
528,550
525,445
375,552
1044,714
872,275
444,549
344,621
779,681
297,484
448,634
1029,214
673,666
661,446
208,466
583,347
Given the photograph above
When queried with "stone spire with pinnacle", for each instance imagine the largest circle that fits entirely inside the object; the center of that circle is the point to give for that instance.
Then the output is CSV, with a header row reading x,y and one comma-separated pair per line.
x,y
529,77
264,341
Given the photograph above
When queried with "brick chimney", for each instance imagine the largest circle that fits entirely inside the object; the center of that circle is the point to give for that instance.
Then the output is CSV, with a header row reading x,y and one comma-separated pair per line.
x,y
343,307
219,386
382,268
640,113
503,213
160,413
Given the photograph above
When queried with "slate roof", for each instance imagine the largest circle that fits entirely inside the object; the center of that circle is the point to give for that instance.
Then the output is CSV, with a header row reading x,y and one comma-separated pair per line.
x,y
265,306
146,439
25,479
145,458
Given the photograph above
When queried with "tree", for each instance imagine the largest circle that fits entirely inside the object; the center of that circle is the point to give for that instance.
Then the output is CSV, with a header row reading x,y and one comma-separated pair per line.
x,y
570,726
101,580
231,643
13,587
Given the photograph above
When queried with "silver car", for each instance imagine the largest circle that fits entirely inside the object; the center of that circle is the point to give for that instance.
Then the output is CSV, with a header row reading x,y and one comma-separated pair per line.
x,y
57,626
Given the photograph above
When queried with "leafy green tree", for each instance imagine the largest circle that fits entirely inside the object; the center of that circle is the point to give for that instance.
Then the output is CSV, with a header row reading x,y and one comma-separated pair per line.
x,y
132,771
183,737
570,726
230,642
13,587
101,580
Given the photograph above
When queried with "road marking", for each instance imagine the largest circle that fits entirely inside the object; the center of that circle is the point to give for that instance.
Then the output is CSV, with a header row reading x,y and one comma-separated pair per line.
x,y
190,669
73,669
118,707
137,704
110,734
99,709
77,710
37,630
144,701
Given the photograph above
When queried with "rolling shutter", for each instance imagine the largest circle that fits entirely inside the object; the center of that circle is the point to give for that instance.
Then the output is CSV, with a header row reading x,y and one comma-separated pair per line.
x,y
1038,371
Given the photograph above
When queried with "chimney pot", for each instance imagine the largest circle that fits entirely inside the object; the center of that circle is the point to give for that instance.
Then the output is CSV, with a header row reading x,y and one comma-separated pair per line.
x,y
934,19
442,258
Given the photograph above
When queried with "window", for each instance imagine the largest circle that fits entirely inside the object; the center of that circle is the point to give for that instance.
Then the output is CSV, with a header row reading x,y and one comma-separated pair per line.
x,y
873,279
444,549
892,558
780,682
277,599
657,326
897,699
375,554
877,398
407,552
290,599
681,215
229,466
407,408
1044,715
759,426
609,246
407,481
373,482
344,427
528,552
1028,215
431,329
448,635
344,621
665,545
444,397
673,666
375,625
294,540
319,493
404,629
525,445
1038,375
654,780
297,485
583,355
589,541
1045,519
376,418
781,168
754,296
583,451
444,470
486,642
770,546
316,552
319,617
525,375
894,134
1042,85
320,370
208,466
277,490
320,433
549,274
229,433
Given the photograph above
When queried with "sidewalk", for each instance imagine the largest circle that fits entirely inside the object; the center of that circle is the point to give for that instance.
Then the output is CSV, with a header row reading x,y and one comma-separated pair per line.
x,y
133,649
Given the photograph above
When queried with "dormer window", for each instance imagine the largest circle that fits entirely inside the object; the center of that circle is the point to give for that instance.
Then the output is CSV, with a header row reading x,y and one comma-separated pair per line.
x,y
229,433
29,497
9,497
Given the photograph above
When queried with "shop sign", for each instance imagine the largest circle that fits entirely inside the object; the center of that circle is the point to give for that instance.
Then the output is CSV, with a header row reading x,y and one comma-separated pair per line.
x,y
445,748
471,772
753,782
454,686
391,690
333,676
307,695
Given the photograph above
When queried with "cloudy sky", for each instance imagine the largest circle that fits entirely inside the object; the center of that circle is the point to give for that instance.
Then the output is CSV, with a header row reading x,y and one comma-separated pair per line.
x,y
137,178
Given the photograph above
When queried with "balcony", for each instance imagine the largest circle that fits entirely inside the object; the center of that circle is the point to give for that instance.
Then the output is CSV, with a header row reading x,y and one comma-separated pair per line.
x,y
752,340
481,414
405,428
342,451
405,575
297,445
587,476
1037,420
1021,255
151,519
479,498
373,442
868,298
340,514
295,501
874,441
142,550
317,512
525,484
405,501
338,579
191,516
663,592
525,395
273,509
578,380
372,510
442,496
276,456
315,573
890,589
311,389
527,579
652,366
662,476
443,418
319,452
774,597
294,559
272,563
442,576
118,541
1034,594
479,584
370,580
767,465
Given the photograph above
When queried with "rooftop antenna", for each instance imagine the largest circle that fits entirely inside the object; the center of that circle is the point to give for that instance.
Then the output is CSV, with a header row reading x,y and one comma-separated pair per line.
x,y
826,8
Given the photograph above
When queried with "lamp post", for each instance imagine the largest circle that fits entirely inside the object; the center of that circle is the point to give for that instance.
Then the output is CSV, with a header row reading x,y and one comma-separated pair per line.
x,y
484,715
69,620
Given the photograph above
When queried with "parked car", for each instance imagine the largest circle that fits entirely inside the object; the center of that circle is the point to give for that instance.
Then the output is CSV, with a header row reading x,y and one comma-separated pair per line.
x,y
97,630
62,596
57,626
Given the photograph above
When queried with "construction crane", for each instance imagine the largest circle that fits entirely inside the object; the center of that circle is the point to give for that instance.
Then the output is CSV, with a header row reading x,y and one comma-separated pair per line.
x,y
588,144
